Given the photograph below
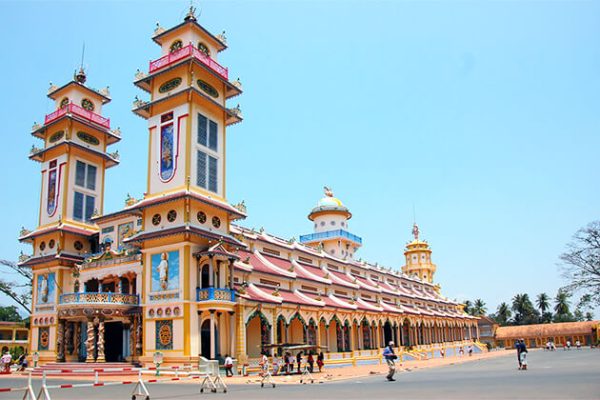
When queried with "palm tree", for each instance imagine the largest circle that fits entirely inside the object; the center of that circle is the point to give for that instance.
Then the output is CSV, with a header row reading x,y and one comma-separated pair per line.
x,y
543,302
524,311
561,303
468,306
503,314
479,307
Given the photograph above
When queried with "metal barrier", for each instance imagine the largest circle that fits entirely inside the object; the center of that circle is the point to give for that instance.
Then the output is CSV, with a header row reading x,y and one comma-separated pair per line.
x,y
209,381
28,390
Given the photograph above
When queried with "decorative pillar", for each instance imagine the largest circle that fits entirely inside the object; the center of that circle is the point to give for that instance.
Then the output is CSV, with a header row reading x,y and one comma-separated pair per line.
x,y
138,335
241,336
211,271
100,342
60,341
69,338
232,331
77,340
212,332
231,271
90,343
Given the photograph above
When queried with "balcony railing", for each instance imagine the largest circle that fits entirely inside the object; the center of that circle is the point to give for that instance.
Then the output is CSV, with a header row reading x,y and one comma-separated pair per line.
x,y
100,298
207,294
184,52
79,111
330,234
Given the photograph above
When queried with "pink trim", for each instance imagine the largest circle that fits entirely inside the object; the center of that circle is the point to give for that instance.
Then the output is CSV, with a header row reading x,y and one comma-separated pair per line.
x,y
184,52
79,111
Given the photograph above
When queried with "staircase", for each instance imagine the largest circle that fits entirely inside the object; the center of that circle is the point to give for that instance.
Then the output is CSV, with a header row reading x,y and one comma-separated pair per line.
x,y
73,368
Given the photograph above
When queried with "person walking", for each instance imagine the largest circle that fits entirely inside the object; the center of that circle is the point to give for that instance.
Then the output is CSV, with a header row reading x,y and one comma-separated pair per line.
x,y
523,354
320,361
228,365
299,361
311,362
470,349
390,359
578,344
518,347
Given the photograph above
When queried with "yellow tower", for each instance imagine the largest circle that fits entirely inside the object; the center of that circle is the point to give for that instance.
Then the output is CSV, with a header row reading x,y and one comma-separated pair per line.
x,y
330,218
418,258
73,161
185,239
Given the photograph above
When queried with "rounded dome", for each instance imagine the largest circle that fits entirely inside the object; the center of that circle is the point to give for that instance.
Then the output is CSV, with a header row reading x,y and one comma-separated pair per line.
x,y
329,202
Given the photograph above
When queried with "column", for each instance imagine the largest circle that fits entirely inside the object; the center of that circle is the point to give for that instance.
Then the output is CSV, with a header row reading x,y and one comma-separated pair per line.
x,y
232,333
241,334
211,271
318,335
231,271
77,340
60,341
90,343
100,342
212,331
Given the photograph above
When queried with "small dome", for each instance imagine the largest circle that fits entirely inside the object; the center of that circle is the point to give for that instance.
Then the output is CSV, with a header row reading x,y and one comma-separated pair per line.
x,y
329,202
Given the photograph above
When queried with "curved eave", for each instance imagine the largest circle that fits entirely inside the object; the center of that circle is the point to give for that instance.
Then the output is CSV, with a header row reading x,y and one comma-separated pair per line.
x,y
317,211
116,215
144,110
184,229
111,138
110,161
64,257
144,83
54,94
63,228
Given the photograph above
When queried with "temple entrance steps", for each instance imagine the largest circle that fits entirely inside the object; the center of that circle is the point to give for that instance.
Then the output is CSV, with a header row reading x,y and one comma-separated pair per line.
x,y
75,369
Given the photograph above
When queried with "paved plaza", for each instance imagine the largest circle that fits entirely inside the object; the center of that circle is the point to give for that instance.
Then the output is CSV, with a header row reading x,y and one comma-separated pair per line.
x,y
552,375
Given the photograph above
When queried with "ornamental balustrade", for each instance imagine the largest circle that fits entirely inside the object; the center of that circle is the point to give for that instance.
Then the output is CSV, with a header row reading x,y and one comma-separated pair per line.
x,y
330,234
100,298
79,111
185,52
207,294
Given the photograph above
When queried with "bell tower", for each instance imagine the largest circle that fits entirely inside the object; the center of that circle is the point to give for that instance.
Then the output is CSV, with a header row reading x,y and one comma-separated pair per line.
x,y
418,258
73,158
187,112
330,218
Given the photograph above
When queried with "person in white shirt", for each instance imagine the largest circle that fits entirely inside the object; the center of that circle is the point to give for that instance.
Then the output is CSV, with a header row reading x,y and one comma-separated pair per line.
x,y
228,365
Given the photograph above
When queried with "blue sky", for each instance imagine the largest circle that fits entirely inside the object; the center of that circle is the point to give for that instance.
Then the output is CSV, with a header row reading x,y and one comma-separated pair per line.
x,y
483,116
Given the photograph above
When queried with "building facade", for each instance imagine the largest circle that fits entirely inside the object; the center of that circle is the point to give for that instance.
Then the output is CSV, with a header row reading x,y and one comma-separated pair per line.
x,y
173,271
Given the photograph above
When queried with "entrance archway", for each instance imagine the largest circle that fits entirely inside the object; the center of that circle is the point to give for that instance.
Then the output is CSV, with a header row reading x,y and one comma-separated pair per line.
x,y
113,341
205,343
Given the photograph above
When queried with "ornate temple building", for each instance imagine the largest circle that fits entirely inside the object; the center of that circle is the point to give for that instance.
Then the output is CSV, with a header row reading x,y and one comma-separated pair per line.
x,y
174,271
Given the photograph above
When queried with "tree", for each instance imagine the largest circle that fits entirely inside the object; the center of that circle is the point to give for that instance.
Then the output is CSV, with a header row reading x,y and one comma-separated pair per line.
x,y
478,308
10,313
503,314
562,303
543,302
468,306
562,313
525,313
589,316
581,261
20,292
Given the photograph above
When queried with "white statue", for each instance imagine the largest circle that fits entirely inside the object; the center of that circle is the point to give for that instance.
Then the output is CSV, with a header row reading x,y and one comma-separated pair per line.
x,y
44,289
163,271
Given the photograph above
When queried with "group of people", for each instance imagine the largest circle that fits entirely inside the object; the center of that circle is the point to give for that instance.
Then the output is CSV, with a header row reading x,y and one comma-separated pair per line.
x,y
6,362
521,353
461,351
285,365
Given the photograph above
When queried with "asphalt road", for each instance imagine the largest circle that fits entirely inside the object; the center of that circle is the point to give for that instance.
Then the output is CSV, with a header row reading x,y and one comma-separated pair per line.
x,y
551,375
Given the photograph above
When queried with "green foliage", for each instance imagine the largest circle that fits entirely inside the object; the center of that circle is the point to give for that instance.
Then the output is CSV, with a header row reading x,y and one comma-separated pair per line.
x,y
543,303
562,303
10,314
478,308
16,352
525,313
503,314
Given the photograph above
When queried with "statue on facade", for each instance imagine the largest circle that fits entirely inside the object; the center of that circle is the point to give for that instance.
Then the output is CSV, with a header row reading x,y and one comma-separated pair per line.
x,y
163,271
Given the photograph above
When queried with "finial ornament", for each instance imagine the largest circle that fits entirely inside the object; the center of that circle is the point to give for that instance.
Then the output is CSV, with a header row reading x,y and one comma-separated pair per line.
x,y
328,191
191,15
415,231
80,76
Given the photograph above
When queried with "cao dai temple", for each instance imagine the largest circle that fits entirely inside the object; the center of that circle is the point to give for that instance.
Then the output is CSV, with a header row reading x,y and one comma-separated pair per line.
x,y
174,271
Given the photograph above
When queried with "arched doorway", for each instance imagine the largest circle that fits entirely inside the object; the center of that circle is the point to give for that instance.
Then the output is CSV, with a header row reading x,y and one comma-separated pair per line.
x,y
205,342
311,336
406,333
297,330
258,334
366,335
204,276
387,332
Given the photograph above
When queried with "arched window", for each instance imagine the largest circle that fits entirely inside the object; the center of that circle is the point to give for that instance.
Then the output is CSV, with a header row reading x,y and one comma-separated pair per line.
x,y
204,276
176,45
64,102
203,48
